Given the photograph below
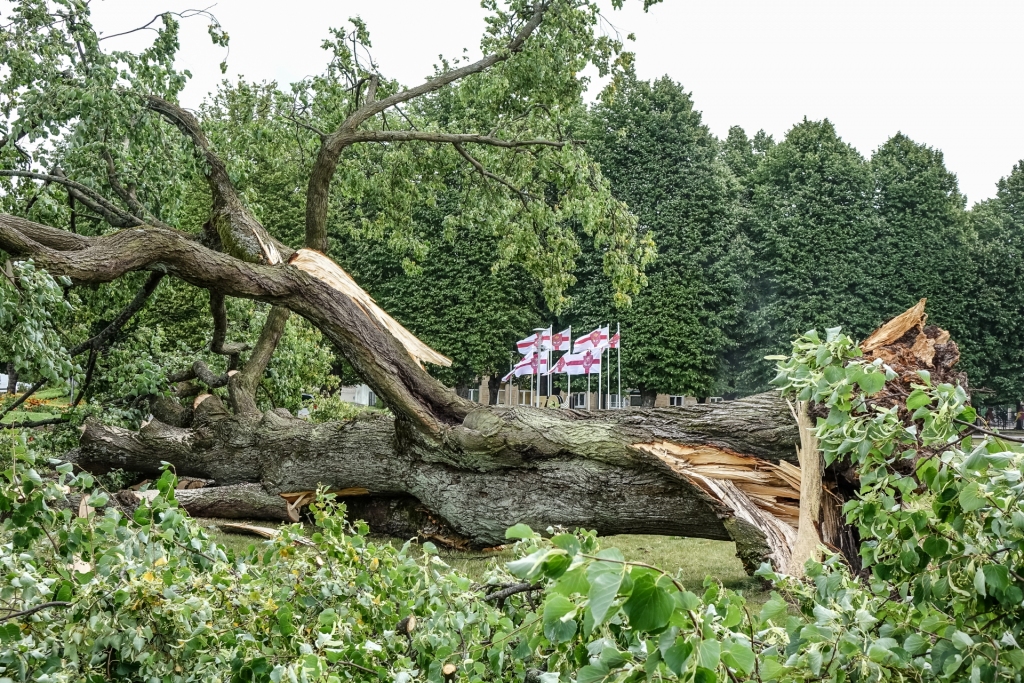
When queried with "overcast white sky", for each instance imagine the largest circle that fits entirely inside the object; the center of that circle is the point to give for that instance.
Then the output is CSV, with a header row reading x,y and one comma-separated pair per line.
x,y
945,72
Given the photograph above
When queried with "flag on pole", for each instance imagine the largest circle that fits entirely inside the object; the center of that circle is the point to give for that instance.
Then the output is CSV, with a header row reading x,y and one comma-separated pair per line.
x,y
593,341
528,345
560,340
613,343
531,364
585,363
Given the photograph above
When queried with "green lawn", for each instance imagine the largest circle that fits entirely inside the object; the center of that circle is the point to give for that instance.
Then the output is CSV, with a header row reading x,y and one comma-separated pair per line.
x,y
693,558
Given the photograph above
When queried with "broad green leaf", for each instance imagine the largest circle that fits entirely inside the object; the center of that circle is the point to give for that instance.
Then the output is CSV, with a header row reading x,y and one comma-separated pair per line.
x,y
559,621
678,655
519,531
738,656
709,653
649,606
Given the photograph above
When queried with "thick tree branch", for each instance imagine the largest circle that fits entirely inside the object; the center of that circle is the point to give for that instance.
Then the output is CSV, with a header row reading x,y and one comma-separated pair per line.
x,y
373,352
318,189
453,138
240,233
138,301
242,386
218,345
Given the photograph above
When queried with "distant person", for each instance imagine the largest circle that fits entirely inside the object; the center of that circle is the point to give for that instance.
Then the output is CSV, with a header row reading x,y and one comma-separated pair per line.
x,y
1019,424
990,416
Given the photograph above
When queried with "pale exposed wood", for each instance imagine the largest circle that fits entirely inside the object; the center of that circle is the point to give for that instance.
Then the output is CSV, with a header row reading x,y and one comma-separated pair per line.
x,y
897,327
199,399
757,491
265,532
326,270
292,496
808,537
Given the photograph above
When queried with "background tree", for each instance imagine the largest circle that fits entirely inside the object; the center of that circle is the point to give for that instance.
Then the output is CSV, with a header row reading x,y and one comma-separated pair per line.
x,y
992,321
664,163
816,241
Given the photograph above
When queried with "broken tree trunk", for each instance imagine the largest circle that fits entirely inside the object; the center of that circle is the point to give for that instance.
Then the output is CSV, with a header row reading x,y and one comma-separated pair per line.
x,y
658,471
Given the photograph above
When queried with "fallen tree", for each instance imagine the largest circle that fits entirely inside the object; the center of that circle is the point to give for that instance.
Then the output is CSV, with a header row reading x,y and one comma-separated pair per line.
x,y
439,465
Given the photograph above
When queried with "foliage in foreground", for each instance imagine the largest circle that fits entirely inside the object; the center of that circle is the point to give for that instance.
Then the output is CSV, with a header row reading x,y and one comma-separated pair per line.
x,y
149,597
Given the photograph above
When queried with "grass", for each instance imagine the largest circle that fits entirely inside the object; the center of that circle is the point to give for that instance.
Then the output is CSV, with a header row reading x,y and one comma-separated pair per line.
x,y
693,558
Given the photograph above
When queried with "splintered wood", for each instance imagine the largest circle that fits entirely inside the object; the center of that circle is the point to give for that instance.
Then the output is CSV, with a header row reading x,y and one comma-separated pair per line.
x,y
762,493
326,270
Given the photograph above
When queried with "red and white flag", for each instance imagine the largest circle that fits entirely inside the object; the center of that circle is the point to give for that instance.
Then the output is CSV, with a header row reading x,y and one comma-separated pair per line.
x,y
578,364
613,343
528,345
560,340
531,364
593,341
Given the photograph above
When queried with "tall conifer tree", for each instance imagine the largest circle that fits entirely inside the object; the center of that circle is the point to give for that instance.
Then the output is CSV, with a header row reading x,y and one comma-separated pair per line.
x,y
815,235
664,162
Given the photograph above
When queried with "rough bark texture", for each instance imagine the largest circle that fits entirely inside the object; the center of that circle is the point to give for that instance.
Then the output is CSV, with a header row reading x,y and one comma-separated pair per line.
x,y
499,467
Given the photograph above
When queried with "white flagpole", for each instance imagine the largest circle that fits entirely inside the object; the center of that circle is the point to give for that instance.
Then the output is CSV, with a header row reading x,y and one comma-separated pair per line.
x,y
588,390
609,375
618,356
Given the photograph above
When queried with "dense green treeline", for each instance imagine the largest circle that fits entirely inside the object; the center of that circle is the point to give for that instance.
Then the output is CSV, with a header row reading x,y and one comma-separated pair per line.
x,y
760,240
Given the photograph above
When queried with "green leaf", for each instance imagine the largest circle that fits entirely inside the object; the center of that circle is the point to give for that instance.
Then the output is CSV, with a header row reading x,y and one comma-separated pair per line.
x,y
567,542
918,399
678,655
936,546
738,656
997,576
591,673
519,531
709,653
970,498
915,644
872,382
559,621
650,606
775,610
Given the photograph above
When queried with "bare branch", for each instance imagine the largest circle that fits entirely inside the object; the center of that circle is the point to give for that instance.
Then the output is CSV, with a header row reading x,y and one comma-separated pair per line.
x,y
127,195
111,213
30,424
220,329
242,386
318,190
524,196
97,342
33,610
184,14
453,138
24,397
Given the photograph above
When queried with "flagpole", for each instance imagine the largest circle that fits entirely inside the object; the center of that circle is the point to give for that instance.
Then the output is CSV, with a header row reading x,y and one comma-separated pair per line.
x,y
609,375
618,356
588,389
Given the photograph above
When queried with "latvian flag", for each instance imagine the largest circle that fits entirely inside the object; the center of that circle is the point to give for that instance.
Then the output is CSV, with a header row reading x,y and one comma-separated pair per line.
x,y
594,341
578,364
560,340
531,364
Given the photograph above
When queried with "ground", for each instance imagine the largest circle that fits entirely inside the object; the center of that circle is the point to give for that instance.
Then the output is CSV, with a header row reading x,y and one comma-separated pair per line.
x,y
694,558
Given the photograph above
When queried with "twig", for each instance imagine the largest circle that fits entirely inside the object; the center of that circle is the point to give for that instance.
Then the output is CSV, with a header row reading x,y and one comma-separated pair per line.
x,y
1014,439
33,610
35,387
509,591
29,424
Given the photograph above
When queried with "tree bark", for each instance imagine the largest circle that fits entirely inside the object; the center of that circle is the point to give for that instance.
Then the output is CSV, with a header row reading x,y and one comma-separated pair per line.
x,y
638,471
713,471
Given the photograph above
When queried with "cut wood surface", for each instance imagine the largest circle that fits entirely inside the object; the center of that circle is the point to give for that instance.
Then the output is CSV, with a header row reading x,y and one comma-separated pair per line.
x,y
262,531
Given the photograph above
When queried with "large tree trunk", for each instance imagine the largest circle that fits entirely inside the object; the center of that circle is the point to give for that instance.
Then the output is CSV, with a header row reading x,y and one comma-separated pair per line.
x,y
659,471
